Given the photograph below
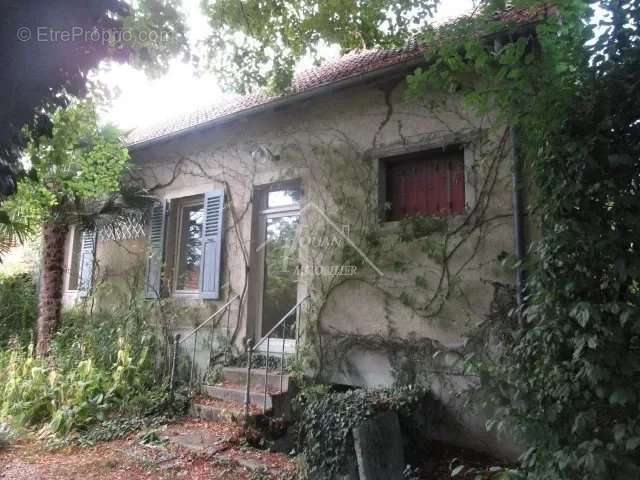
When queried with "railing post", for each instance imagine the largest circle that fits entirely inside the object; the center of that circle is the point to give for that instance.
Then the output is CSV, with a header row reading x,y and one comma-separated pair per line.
x,y
247,395
297,329
266,378
193,359
174,361
284,334
211,335
228,339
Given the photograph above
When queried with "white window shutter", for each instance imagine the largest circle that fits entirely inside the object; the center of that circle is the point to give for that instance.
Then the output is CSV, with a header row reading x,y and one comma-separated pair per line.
x,y
85,275
153,284
211,245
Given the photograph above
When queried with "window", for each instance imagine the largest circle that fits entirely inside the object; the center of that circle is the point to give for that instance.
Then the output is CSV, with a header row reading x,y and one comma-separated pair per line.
x,y
275,258
424,183
184,254
75,252
189,246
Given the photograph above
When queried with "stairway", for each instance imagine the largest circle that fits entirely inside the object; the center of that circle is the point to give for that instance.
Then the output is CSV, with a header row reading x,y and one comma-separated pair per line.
x,y
224,401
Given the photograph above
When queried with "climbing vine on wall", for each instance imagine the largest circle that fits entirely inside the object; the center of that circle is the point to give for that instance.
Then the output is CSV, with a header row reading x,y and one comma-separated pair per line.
x,y
567,376
425,257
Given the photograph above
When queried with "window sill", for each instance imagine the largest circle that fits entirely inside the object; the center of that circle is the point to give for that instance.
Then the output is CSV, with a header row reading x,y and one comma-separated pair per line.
x,y
453,221
452,216
186,295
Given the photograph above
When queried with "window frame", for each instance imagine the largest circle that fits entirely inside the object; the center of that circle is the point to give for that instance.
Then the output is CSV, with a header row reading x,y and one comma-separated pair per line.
x,y
259,211
73,256
385,158
181,204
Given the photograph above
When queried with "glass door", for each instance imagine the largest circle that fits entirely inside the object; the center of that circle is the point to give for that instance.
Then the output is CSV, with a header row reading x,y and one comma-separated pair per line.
x,y
278,226
280,286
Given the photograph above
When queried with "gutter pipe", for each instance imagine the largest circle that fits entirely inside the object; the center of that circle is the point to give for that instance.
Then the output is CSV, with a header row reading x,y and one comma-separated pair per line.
x,y
518,214
518,207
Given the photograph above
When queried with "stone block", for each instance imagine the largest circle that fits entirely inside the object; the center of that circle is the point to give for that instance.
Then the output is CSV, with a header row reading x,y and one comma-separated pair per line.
x,y
378,446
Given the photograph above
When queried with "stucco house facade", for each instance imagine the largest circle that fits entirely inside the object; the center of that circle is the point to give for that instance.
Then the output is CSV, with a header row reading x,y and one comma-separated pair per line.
x,y
384,222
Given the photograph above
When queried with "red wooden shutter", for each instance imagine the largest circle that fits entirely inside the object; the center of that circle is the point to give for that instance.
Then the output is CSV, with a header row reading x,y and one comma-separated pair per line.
x,y
426,183
457,185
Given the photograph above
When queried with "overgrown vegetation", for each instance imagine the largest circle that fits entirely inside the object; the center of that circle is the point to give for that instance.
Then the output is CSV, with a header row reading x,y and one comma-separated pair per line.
x,y
18,309
327,419
568,376
75,178
257,44
99,381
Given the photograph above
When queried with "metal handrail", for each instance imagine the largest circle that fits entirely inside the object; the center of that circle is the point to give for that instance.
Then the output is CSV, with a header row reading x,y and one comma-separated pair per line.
x,y
179,340
211,317
280,322
251,348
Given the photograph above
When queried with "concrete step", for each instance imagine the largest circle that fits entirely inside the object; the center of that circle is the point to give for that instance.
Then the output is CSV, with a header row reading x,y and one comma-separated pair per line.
x,y
238,375
216,413
215,409
236,394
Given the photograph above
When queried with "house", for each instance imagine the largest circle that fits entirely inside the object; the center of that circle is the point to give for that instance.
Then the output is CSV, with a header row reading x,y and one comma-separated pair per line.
x,y
380,223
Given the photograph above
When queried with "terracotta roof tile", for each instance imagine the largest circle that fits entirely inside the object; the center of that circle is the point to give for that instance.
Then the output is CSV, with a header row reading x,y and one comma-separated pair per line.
x,y
194,118
350,65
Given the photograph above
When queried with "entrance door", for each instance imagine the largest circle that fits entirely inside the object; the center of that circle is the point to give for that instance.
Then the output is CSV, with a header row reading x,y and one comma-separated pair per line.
x,y
277,260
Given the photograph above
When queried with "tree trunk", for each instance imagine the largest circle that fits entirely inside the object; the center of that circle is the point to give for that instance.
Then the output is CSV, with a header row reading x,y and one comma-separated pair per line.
x,y
51,280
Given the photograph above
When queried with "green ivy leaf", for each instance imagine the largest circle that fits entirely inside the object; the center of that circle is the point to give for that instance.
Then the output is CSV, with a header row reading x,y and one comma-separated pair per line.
x,y
633,443
457,471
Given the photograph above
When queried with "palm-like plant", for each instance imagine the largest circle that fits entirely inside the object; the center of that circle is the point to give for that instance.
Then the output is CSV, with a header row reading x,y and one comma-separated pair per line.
x,y
75,179
10,232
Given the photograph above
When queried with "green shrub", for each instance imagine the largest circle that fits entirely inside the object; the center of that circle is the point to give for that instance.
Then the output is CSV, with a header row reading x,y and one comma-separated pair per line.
x,y
35,392
100,370
326,420
18,308
98,335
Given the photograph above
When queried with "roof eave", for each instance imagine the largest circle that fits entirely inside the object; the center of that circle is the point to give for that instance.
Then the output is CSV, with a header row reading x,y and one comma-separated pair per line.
x,y
286,100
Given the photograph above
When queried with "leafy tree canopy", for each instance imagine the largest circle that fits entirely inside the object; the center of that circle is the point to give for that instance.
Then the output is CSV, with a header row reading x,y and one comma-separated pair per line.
x,y
257,43
567,377
77,164
49,46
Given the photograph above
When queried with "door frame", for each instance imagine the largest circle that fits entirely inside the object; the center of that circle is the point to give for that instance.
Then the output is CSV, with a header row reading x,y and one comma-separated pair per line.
x,y
256,263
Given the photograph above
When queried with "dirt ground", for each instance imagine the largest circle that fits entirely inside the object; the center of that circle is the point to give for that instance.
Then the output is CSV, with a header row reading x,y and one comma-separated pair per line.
x,y
196,449
190,449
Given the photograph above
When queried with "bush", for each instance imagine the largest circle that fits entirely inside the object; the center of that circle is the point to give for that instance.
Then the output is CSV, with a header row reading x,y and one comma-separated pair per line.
x,y
100,370
35,392
326,421
18,308
99,335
